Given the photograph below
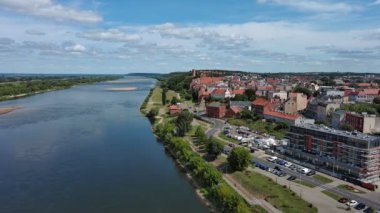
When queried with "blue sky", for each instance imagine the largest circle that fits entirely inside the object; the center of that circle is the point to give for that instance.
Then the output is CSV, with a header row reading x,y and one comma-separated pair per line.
x,y
99,36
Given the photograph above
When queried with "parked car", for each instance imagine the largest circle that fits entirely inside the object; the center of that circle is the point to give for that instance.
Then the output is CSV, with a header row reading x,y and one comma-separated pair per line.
x,y
312,172
291,178
282,174
292,167
352,203
288,164
368,210
277,168
360,206
343,200
269,169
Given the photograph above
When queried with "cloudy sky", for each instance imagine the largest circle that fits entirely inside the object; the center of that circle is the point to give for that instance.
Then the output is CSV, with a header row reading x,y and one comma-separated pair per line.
x,y
114,36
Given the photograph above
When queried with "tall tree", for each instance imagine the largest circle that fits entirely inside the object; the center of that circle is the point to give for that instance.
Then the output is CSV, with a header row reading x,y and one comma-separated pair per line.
x,y
239,159
183,122
214,147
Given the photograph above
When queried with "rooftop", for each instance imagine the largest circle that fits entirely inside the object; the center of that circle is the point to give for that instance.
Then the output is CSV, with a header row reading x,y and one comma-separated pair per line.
x,y
355,134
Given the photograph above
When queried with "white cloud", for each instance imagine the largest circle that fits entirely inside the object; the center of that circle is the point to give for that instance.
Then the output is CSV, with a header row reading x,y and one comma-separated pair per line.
x,y
112,35
377,2
50,9
313,5
76,48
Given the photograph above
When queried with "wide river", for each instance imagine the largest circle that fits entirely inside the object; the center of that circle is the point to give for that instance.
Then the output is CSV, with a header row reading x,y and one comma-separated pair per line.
x,y
86,149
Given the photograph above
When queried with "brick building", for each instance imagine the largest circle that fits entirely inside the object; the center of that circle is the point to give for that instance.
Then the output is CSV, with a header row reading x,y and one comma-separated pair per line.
x,y
215,110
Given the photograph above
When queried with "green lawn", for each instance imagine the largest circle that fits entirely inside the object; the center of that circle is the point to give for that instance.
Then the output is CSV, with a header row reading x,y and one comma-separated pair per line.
x,y
258,209
279,196
305,183
170,94
323,179
261,126
350,189
331,194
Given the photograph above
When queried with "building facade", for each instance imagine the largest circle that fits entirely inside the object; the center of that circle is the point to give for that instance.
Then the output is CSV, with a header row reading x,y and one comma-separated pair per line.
x,y
216,110
345,153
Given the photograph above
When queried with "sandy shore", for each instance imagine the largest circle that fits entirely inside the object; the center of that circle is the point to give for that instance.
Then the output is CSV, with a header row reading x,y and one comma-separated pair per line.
x,y
5,110
122,89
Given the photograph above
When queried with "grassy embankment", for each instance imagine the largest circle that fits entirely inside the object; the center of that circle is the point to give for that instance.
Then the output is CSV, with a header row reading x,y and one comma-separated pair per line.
x,y
265,127
279,196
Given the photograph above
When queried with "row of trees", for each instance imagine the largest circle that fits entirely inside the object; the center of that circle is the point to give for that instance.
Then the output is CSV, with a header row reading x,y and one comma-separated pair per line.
x,y
206,175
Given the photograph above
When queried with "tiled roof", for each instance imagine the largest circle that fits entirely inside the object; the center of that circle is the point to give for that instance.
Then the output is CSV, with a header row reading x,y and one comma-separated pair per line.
x,y
174,107
218,92
281,115
260,102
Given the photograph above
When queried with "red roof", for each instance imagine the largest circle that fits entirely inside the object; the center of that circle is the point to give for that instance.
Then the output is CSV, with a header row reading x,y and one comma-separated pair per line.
x,y
270,88
364,84
218,91
174,107
281,115
371,91
235,109
260,102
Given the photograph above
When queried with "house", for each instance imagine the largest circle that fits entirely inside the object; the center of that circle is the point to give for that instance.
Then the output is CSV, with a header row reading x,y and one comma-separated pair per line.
x,y
296,102
259,105
215,110
325,109
282,95
365,95
174,109
286,118
232,111
220,94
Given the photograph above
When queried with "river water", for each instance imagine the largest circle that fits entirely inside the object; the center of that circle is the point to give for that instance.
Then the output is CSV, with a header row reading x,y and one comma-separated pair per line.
x,y
86,149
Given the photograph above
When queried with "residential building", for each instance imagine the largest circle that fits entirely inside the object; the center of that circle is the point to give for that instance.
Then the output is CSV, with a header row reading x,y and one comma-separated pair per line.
x,y
174,109
296,102
220,94
259,105
343,153
215,110
324,110
241,105
364,122
282,95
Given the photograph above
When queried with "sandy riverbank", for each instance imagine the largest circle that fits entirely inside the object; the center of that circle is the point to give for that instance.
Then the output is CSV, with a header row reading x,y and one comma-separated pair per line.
x,y
123,89
5,110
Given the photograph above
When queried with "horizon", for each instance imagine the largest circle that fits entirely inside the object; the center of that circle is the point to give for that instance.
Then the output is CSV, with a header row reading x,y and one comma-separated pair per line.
x,y
257,36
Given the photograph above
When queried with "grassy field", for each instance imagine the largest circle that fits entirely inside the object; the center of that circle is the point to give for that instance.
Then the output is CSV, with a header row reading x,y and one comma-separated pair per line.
x,y
264,127
331,194
170,94
279,196
323,179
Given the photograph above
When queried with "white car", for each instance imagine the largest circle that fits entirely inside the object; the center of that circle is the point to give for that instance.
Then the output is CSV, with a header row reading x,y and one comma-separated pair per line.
x,y
352,203
287,164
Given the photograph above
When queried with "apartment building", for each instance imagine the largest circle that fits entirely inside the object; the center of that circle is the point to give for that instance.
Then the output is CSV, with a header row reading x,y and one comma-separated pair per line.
x,y
344,153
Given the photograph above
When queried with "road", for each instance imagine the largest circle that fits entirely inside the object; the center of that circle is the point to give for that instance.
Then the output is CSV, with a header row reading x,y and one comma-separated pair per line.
x,y
220,124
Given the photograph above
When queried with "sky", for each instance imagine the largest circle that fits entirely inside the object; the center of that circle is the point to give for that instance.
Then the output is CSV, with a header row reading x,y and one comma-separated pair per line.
x,y
123,36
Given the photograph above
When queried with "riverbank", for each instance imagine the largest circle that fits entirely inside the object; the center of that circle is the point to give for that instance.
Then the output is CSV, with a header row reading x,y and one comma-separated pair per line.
x,y
207,180
21,89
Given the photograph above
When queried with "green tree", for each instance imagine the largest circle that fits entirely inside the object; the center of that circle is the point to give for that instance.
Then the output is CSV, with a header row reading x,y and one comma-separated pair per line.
x,y
251,94
347,127
174,100
214,147
240,97
183,122
376,100
239,159
164,91
303,90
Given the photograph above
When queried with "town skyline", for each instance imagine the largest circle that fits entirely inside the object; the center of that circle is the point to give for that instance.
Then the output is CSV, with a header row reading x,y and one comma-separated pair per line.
x,y
83,36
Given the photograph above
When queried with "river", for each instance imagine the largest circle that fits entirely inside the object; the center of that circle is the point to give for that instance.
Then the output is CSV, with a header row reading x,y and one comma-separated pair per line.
x,y
86,149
